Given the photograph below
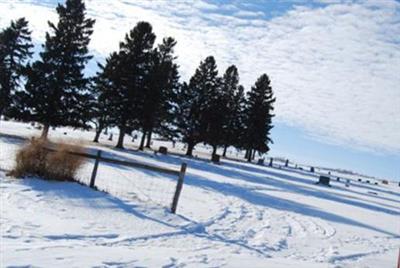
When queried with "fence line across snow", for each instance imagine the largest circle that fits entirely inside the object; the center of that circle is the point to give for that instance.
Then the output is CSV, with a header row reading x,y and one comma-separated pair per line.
x,y
99,158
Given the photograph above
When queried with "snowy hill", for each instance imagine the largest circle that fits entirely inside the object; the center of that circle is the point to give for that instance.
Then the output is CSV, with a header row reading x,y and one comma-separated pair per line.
x,y
234,214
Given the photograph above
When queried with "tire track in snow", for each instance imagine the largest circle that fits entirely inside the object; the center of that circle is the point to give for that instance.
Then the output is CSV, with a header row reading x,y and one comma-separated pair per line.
x,y
306,226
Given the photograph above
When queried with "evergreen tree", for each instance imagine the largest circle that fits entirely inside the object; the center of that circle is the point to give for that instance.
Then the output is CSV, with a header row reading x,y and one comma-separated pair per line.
x,y
133,68
160,92
15,50
237,126
231,105
188,116
56,90
258,118
194,102
215,114
104,87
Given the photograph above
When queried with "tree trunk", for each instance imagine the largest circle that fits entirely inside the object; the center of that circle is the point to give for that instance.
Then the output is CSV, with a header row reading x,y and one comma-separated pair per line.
x,y
214,152
190,148
142,141
254,154
246,155
120,143
249,155
45,131
97,136
225,149
148,143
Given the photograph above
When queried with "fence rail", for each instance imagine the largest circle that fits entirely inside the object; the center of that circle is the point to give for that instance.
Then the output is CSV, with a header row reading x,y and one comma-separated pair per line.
x,y
123,162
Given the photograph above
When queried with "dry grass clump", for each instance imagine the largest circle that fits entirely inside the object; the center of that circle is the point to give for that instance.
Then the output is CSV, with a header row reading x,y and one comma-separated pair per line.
x,y
35,158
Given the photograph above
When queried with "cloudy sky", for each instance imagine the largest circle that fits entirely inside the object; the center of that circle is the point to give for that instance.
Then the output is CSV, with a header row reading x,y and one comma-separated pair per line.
x,y
334,64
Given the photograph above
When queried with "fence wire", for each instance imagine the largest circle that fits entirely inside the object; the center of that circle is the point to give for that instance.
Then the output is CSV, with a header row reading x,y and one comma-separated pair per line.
x,y
141,185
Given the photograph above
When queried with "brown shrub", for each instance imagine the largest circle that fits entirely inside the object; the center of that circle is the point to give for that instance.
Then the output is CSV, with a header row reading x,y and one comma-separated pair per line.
x,y
36,159
30,159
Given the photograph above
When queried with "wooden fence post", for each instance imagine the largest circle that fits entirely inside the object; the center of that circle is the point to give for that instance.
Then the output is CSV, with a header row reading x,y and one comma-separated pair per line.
x,y
94,172
178,188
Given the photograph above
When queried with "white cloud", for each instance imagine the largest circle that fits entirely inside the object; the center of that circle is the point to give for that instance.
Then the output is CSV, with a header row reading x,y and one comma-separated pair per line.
x,y
246,13
334,68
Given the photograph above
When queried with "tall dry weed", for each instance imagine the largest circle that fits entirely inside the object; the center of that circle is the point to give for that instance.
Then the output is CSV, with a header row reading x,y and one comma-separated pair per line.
x,y
51,161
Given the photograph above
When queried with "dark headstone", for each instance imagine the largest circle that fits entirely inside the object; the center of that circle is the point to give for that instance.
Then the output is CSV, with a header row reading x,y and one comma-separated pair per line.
x,y
261,161
311,169
385,182
215,158
359,179
270,161
287,163
324,180
338,179
163,150
368,181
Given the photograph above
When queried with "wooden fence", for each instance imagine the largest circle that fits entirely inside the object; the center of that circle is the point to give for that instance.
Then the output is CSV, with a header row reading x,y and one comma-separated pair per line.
x,y
99,158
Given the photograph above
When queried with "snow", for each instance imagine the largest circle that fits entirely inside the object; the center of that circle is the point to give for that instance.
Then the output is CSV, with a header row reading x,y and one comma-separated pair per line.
x,y
230,215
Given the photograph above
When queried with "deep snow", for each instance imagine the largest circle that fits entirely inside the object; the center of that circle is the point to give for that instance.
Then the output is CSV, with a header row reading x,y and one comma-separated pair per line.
x,y
234,214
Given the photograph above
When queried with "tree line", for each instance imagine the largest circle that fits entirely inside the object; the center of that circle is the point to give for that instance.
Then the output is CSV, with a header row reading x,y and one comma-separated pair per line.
x,y
137,88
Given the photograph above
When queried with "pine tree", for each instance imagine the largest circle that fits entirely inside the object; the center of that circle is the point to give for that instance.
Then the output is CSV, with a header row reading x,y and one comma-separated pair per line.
x,y
195,102
105,86
15,50
230,113
216,110
160,92
237,129
258,118
134,68
188,116
215,115
56,90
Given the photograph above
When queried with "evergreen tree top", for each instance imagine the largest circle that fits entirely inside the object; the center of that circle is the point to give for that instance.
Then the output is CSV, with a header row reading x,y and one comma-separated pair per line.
x,y
262,91
71,35
140,39
206,74
15,42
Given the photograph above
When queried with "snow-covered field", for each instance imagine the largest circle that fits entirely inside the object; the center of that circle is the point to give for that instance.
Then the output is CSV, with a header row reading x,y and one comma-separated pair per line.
x,y
230,215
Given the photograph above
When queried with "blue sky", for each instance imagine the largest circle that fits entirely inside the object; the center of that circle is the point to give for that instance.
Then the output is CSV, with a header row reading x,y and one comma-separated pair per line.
x,y
333,64
296,145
